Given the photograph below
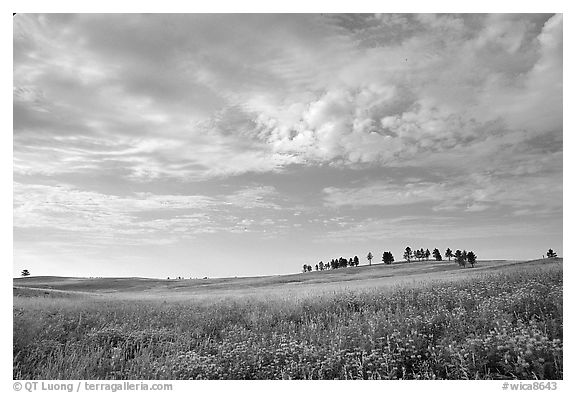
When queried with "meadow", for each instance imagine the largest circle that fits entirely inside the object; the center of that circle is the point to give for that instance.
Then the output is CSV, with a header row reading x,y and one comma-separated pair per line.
x,y
502,322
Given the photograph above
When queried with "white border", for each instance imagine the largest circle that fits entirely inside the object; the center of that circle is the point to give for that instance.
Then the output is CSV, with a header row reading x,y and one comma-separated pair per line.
x,y
299,6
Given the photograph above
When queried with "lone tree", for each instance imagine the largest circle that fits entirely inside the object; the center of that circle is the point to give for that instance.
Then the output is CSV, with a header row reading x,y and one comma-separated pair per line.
x,y
25,273
369,257
316,267
387,257
549,254
448,254
305,268
427,254
408,254
471,258
436,254
356,260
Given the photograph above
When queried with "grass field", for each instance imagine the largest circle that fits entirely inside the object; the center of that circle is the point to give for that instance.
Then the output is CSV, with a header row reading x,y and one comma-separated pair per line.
x,y
424,320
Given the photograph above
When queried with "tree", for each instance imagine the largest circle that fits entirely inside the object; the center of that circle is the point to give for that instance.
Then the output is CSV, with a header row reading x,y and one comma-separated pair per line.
x,y
456,255
369,257
351,262
356,260
305,268
321,265
422,253
25,273
333,264
417,254
471,258
387,257
427,254
460,258
448,254
316,267
551,254
408,254
309,268
436,254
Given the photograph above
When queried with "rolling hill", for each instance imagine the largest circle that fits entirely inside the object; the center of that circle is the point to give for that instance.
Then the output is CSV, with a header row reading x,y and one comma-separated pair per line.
x,y
377,275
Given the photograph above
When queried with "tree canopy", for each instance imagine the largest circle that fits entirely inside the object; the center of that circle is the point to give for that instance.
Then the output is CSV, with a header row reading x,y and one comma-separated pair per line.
x,y
387,257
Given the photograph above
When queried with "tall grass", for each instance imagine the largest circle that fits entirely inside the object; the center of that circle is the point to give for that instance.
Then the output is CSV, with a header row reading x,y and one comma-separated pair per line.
x,y
507,325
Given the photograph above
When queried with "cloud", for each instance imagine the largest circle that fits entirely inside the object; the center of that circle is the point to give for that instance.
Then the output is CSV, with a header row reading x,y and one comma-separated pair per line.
x,y
132,219
254,198
476,192
459,82
434,228
199,96
354,118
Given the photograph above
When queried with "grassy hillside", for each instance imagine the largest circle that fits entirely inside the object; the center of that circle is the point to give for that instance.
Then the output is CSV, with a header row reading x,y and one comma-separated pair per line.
x,y
439,323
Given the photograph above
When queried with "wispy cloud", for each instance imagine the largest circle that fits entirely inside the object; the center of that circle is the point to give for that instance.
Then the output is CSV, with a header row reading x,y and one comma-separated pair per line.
x,y
134,218
470,193
446,229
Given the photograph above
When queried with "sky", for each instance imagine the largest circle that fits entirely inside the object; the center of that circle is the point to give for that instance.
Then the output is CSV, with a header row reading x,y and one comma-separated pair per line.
x,y
235,145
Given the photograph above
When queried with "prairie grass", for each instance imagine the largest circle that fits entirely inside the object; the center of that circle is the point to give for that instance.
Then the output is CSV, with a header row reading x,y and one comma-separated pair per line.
x,y
496,326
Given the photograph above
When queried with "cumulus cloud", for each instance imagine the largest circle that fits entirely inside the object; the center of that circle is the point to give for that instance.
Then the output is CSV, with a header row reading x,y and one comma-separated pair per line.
x,y
340,89
459,82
